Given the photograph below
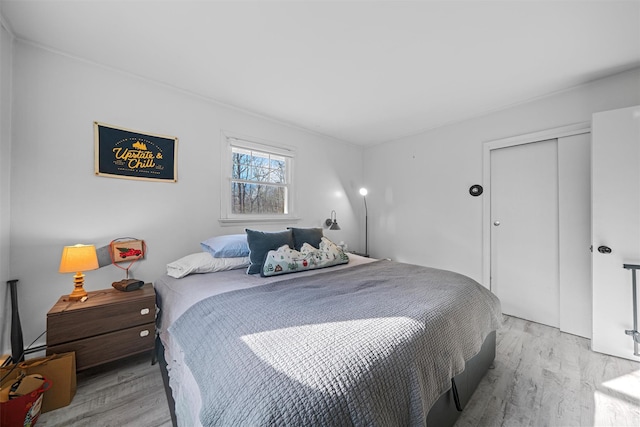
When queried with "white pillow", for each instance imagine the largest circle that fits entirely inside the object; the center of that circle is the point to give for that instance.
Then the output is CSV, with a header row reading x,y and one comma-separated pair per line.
x,y
203,262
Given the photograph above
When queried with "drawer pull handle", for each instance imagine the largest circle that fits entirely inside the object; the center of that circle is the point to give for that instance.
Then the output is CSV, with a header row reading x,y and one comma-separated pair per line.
x,y
144,311
144,333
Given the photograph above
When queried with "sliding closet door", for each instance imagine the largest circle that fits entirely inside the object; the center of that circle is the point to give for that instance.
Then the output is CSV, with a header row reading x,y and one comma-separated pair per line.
x,y
574,203
524,230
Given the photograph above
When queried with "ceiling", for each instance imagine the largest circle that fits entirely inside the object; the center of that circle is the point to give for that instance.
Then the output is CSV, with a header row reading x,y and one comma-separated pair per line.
x,y
359,71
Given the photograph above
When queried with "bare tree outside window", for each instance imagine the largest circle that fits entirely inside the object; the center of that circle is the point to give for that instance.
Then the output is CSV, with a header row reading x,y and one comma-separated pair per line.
x,y
258,182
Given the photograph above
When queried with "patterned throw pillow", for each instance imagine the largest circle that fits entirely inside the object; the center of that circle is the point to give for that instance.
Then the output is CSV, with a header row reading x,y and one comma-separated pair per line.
x,y
286,260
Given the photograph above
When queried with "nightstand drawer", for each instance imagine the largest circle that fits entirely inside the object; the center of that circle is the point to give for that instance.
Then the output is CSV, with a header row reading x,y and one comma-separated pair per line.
x,y
104,311
108,347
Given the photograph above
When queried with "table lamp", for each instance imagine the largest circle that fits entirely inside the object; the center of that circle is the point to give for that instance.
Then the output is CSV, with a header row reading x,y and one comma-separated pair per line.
x,y
78,258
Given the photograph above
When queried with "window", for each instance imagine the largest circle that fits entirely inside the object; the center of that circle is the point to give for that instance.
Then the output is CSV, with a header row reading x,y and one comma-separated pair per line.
x,y
258,181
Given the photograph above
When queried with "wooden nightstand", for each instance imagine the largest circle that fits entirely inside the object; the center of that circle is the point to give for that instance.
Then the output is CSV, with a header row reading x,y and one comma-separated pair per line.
x,y
109,325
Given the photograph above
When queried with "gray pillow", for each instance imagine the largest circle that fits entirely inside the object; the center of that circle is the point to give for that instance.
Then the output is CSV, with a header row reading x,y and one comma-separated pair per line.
x,y
261,242
312,236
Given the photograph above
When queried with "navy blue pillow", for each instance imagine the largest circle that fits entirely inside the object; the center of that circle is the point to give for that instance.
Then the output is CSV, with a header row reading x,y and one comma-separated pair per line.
x,y
312,236
261,242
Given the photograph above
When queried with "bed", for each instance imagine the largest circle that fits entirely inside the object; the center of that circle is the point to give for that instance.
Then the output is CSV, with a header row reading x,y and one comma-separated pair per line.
x,y
368,342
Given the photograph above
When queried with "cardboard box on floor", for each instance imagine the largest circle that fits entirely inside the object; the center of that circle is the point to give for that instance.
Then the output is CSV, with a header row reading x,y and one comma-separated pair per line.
x,y
60,369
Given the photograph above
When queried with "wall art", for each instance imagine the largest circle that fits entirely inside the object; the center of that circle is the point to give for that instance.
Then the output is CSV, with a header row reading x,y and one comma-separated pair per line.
x,y
128,154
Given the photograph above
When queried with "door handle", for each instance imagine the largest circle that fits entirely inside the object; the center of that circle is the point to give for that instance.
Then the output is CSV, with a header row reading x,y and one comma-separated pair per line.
x,y
604,249
496,223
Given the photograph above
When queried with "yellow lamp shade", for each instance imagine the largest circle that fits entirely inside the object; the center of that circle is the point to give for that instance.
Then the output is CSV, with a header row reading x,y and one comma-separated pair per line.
x,y
78,258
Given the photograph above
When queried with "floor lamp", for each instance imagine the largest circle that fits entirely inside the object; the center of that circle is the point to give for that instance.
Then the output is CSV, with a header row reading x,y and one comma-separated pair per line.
x,y
363,193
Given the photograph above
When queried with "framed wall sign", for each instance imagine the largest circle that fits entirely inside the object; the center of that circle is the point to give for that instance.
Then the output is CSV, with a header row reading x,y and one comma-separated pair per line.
x,y
128,154
130,250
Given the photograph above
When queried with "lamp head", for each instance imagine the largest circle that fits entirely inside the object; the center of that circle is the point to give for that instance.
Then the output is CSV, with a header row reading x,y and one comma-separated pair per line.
x,y
363,191
332,223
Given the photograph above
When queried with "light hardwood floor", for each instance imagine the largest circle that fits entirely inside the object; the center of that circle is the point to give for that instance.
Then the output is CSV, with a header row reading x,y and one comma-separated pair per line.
x,y
541,378
125,393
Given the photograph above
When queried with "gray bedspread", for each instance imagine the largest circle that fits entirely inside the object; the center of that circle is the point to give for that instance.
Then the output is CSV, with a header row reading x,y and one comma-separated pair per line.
x,y
372,345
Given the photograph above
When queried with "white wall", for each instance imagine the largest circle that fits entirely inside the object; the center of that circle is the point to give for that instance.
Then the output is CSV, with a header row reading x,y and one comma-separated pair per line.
x,y
420,210
419,207
5,170
56,199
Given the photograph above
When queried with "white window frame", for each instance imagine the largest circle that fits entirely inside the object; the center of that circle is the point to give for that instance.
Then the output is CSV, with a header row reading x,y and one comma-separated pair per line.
x,y
230,140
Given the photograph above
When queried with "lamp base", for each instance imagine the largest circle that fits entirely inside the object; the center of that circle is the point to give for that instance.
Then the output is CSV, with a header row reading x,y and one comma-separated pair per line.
x,y
78,292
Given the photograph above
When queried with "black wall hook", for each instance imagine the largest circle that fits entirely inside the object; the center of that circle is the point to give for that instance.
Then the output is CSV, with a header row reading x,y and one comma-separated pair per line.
x,y
475,190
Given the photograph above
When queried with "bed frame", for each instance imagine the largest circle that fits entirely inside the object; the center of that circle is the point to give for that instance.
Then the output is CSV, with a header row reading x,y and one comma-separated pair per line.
x,y
159,357
444,412
448,407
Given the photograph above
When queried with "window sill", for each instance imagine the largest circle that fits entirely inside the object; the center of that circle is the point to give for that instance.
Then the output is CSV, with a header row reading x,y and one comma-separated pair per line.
x,y
254,220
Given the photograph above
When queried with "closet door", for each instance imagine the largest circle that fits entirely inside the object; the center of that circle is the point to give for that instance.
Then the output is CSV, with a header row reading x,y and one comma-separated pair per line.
x,y
524,230
574,203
